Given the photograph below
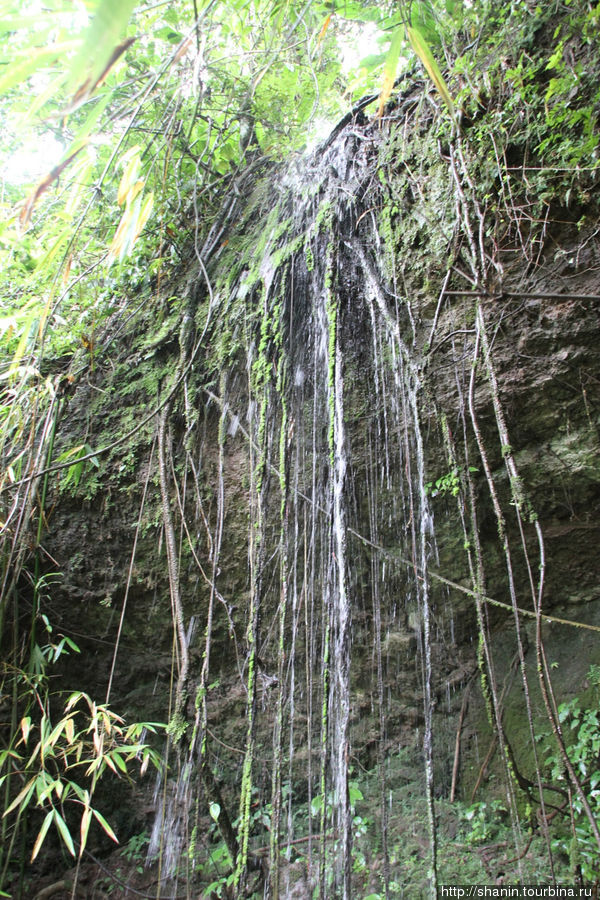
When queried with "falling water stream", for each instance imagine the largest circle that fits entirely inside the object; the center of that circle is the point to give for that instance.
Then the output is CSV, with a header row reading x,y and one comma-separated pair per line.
x,y
330,416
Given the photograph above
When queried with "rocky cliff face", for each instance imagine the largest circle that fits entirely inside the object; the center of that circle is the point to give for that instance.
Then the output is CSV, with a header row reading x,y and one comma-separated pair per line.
x,y
356,545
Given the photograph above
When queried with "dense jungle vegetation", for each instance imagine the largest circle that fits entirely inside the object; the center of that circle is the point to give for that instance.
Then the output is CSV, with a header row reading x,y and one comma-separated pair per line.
x,y
177,179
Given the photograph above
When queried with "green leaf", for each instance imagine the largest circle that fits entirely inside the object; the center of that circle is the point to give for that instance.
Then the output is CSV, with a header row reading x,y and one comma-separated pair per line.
x,y
422,18
22,799
372,62
316,805
41,835
354,794
118,759
358,12
103,35
215,811
86,818
75,471
105,826
82,793
390,67
169,34
35,58
56,732
54,786
93,460
8,754
64,832
74,698
421,48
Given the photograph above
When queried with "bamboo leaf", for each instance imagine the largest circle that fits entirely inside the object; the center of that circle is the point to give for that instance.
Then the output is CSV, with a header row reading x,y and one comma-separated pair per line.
x,y
25,728
323,30
42,781
64,832
54,786
94,765
86,818
144,215
130,174
8,754
87,88
37,749
56,733
81,793
131,225
29,327
118,241
23,798
390,67
74,698
98,744
35,58
70,643
118,759
108,761
70,730
42,834
421,48
101,42
105,826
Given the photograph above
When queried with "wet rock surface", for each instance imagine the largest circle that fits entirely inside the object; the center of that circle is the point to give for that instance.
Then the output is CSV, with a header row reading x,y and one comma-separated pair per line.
x,y
404,359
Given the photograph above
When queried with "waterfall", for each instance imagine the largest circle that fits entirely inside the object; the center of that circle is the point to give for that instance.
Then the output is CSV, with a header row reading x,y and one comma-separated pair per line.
x,y
325,411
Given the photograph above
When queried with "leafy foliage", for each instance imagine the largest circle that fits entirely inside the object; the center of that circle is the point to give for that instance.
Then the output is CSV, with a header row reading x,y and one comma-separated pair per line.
x,y
581,725
53,763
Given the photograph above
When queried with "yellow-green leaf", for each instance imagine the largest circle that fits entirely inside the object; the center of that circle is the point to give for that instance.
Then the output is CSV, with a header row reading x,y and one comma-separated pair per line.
x,y
36,58
130,227
42,834
64,832
118,759
130,174
54,786
77,695
144,213
22,799
29,327
390,67
84,829
108,761
105,826
70,730
421,48
56,733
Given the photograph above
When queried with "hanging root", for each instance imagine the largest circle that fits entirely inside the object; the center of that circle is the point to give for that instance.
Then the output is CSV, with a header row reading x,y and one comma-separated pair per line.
x,y
164,458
